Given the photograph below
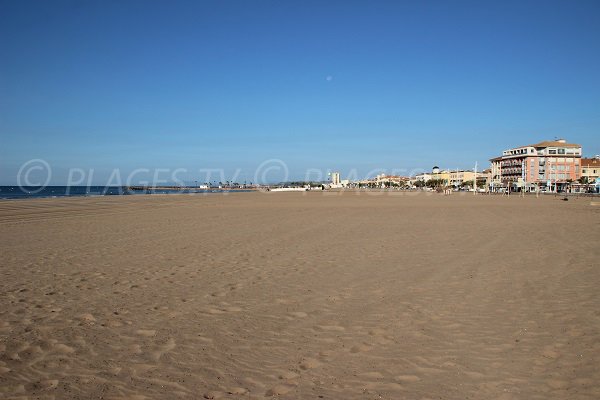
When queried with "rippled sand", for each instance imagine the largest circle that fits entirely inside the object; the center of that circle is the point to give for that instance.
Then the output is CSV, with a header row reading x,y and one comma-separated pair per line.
x,y
300,295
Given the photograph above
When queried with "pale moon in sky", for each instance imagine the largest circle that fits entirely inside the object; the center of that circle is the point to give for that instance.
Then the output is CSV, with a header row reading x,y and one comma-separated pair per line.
x,y
329,78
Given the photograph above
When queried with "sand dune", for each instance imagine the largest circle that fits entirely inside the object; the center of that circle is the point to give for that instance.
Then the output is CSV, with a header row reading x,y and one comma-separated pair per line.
x,y
300,295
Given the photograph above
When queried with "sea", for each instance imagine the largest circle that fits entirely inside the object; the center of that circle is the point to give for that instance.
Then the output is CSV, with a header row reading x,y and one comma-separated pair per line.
x,y
28,192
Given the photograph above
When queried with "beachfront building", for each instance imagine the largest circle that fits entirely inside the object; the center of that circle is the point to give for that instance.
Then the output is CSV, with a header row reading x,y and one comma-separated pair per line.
x,y
438,174
435,174
590,169
553,164
495,174
384,180
485,178
455,178
422,177
459,177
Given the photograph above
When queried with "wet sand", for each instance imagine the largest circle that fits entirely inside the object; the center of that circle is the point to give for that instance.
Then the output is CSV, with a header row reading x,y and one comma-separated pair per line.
x,y
300,295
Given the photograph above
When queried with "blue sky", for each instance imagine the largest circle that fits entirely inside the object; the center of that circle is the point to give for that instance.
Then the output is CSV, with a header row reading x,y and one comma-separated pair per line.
x,y
348,85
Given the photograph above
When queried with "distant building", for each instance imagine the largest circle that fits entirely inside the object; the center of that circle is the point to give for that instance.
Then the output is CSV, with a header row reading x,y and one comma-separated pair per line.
x,y
335,178
550,163
439,175
447,177
458,177
391,180
423,177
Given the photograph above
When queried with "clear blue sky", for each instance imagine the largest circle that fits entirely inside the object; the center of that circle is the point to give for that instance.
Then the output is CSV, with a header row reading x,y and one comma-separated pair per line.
x,y
329,85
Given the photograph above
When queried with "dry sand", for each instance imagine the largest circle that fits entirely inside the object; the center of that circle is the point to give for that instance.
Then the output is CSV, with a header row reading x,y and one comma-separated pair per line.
x,y
300,295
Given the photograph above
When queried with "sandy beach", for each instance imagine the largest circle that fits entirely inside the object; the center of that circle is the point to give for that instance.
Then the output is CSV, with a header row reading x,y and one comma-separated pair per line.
x,y
301,296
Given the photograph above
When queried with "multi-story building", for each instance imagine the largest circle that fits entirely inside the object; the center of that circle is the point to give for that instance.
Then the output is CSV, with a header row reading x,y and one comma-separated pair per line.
x,y
495,173
335,178
441,175
451,177
590,169
550,163
423,177
435,174
458,177
391,180
484,178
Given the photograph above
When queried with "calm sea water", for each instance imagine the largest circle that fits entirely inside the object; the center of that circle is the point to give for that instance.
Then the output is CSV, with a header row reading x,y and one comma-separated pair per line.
x,y
17,192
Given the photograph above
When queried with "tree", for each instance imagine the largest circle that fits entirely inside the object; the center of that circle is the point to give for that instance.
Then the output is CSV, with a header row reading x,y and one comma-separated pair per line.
x,y
434,183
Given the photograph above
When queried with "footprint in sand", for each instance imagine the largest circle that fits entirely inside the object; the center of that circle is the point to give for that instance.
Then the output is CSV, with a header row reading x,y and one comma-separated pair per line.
x,y
377,332
213,394
557,384
237,391
326,354
372,375
331,328
359,348
408,378
222,310
253,382
550,353
279,390
299,314
50,384
383,386
146,332
165,348
87,318
287,375
214,311
135,349
204,339
310,363
63,348
226,289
